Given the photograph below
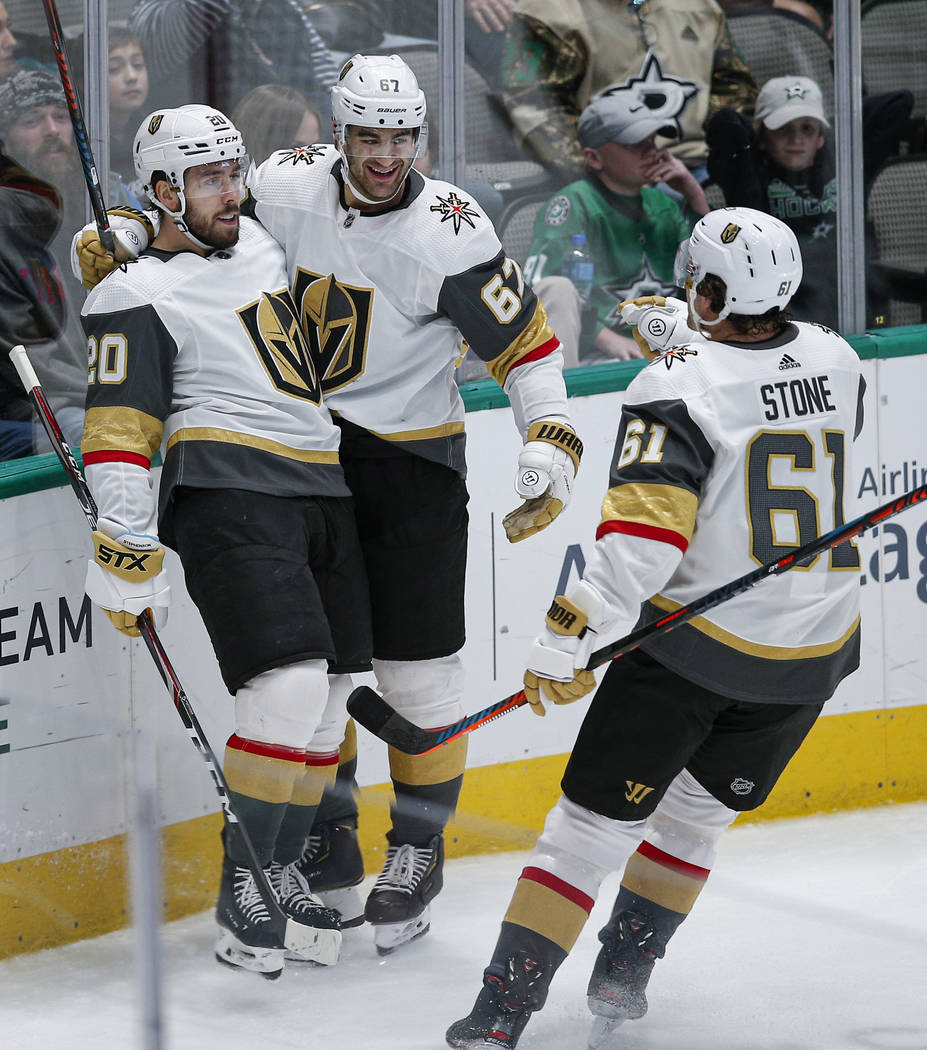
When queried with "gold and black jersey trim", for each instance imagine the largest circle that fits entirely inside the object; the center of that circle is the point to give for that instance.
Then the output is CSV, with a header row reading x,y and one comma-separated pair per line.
x,y
235,437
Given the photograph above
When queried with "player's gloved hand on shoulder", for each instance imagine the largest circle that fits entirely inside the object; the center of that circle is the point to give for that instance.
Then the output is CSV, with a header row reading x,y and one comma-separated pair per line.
x,y
658,322
132,230
557,663
126,576
547,465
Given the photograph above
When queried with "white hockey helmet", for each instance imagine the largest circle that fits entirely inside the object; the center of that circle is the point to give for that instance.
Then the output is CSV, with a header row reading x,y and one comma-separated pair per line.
x,y
377,91
755,254
174,140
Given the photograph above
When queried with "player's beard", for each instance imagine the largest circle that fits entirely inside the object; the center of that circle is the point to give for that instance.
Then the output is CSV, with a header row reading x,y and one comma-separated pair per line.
x,y
203,223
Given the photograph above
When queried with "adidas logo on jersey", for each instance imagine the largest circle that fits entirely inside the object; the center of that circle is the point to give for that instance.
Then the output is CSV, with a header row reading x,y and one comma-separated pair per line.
x,y
788,362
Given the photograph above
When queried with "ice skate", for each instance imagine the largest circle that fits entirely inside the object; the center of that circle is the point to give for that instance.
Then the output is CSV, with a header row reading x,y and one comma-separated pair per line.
x,y
332,864
246,940
604,1033
292,891
622,969
510,994
398,903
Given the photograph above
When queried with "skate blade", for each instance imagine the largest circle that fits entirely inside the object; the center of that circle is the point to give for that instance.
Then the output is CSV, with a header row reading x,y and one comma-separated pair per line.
x,y
604,1033
347,902
316,946
230,951
389,936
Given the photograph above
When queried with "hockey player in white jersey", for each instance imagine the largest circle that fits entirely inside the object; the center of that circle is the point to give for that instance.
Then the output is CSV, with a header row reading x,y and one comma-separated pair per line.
x,y
196,350
389,270
733,446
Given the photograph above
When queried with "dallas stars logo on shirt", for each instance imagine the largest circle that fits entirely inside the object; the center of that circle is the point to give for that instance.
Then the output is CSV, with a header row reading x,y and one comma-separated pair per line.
x,y
457,210
301,155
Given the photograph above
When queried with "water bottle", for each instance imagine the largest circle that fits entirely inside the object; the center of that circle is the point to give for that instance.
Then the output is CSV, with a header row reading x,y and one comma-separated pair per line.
x,y
578,265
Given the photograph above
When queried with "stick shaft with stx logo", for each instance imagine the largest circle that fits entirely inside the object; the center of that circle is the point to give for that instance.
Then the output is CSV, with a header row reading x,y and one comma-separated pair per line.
x,y
81,137
291,934
376,715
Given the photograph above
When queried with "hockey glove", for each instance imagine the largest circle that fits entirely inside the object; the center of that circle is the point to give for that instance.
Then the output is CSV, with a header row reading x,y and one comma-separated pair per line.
x,y
658,322
91,262
557,663
547,465
126,576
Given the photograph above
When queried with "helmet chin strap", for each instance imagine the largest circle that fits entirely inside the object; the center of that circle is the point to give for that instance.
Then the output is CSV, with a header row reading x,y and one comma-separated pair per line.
x,y
700,322
176,218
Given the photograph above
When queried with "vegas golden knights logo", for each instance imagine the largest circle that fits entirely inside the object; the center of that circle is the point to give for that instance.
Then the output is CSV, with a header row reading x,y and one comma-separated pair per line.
x,y
336,320
729,233
273,326
636,793
155,123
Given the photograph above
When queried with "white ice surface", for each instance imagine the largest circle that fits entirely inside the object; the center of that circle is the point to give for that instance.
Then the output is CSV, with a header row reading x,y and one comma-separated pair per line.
x,y
810,935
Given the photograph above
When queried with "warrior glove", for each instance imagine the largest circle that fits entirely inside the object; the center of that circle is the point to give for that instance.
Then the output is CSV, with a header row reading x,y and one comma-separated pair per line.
x,y
657,322
126,577
557,663
91,262
547,465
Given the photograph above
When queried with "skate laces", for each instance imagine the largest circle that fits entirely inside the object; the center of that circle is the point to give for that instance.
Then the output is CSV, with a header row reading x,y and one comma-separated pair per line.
x,y
515,989
405,866
248,898
312,850
292,889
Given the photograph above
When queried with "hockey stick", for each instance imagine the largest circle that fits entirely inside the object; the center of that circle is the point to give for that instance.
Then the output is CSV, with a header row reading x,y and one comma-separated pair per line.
x,y
376,715
80,128
291,934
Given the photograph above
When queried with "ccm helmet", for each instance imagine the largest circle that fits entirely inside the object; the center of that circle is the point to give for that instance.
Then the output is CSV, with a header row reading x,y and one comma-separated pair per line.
x,y
174,140
755,254
377,91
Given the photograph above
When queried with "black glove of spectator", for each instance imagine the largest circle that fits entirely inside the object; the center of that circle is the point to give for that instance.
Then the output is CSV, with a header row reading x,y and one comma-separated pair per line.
x,y
729,132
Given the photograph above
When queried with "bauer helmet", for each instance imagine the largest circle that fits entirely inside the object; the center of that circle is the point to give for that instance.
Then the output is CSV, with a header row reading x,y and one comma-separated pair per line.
x,y
175,140
755,254
381,92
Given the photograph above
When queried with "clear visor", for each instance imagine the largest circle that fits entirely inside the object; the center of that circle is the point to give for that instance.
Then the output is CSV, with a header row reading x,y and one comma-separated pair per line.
x,y
386,144
684,269
220,179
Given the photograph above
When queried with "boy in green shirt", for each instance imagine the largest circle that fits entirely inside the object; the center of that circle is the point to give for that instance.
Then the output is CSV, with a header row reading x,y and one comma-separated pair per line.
x,y
632,228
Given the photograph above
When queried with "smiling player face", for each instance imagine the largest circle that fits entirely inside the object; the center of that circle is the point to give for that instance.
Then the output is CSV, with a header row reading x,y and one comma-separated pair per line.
x,y
379,159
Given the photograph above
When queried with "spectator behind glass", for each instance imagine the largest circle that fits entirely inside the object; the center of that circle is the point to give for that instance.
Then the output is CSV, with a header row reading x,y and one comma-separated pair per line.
x,y
8,64
40,182
128,95
273,117
216,51
632,229
783,164
560,55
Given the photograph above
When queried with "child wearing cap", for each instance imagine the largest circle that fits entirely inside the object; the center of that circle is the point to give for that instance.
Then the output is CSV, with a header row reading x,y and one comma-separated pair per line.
x,y
632,229
782,163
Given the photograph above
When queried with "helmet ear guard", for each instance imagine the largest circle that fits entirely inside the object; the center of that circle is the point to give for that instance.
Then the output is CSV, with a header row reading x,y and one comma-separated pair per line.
x,y
755,254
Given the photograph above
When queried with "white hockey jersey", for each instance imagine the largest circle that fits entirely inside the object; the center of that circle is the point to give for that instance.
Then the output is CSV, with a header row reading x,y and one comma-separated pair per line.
x,y
205,359
385,299
728,456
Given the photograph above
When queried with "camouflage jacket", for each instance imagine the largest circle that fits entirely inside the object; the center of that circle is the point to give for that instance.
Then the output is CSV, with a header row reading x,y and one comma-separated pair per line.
x,y
559,54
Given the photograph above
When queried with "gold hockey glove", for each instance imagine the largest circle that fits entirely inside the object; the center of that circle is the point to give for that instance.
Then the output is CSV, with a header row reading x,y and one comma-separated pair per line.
x,y
133,232
557,663
547,465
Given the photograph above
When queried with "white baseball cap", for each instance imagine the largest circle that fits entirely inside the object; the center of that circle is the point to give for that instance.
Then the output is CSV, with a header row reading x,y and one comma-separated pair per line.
x,y
621,118
787,98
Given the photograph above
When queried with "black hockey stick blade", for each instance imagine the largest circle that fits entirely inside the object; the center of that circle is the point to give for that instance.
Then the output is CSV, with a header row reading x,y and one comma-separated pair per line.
x,y
376,715
292,934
